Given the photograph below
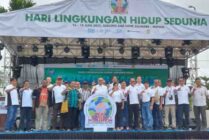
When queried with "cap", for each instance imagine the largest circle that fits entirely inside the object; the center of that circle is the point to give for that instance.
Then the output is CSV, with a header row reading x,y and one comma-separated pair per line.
x,y
59,78
85,82
169,80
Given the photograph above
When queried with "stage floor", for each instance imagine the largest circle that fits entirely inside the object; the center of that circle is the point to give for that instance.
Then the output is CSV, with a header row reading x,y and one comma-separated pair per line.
x,y
138,134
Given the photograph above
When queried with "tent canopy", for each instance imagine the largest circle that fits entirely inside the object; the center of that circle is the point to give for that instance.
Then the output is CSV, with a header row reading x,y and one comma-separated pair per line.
x,y
102,22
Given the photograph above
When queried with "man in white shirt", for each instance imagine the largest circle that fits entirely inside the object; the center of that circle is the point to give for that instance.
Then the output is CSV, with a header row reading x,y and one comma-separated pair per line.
x,y
183,92
26,106
200,95
12,102
58,92
170,104
100,88
133,93
157,107
147,97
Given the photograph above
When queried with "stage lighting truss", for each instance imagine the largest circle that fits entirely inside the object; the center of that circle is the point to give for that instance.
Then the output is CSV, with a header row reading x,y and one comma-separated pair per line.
x,y
110,48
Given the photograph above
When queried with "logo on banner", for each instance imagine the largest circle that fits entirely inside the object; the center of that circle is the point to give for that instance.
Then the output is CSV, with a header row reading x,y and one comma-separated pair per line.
x,y
100,111
119,6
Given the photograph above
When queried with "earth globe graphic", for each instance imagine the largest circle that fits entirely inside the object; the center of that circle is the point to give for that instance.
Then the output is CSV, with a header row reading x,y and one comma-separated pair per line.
x,y
100,109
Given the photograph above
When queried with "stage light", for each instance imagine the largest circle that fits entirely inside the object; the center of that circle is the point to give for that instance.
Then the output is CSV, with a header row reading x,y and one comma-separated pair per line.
x,y
183,51
19,48
85,51
135,52
186,42
43,39
185,73
16,71
121,50
35,48
1,46
34,60
99,50
156,41
48,50
195,51
82,41
168,52
170,62
153,51
66,49
121,41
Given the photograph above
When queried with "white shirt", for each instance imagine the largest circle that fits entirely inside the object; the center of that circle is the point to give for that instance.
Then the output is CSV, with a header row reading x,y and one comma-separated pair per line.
x,y
170,96
158,91
100,89
200,96
13,95
57,92
111,87
141,88
49,86
147,95
118,96
183,94
124,91
133,94
27,98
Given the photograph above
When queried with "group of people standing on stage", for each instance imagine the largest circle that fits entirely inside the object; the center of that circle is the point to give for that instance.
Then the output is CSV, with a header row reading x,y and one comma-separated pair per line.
x,y
139,105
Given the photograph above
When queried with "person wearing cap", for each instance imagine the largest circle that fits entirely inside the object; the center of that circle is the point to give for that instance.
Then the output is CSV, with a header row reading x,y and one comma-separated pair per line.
x,y
58,91
183,92
85,94
200,94
170,104
100,88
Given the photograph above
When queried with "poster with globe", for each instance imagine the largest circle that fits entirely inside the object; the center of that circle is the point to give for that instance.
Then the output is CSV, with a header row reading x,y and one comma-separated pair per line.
x,y
100,112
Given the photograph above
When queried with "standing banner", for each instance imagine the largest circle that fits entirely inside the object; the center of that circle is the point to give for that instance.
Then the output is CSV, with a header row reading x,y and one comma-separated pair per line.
x,y
139,19
100,111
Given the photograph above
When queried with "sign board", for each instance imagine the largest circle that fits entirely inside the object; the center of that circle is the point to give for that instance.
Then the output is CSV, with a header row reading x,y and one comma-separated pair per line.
x,y
100,112
91,73
138,19
3,109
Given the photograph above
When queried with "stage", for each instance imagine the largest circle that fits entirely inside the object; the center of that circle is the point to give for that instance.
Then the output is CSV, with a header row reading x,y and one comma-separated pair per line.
x,y
139,134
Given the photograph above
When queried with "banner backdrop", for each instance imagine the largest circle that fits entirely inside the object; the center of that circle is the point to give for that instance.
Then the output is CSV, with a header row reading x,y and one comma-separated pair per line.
x,y
92,74
140,19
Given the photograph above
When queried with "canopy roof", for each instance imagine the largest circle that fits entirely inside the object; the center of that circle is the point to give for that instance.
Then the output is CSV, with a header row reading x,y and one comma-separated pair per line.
x,y
102,22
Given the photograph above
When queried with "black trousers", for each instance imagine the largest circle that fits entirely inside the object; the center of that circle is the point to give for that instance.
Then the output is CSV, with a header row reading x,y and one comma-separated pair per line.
x,y
56,112
118,115
200,111
73,117
134,115
183,119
